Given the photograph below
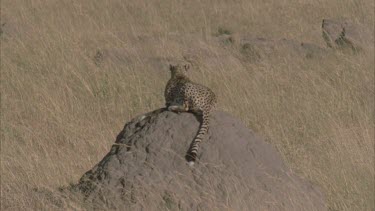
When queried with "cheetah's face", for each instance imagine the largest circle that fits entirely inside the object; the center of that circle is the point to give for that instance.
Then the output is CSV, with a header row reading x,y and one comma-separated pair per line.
x,y
179,69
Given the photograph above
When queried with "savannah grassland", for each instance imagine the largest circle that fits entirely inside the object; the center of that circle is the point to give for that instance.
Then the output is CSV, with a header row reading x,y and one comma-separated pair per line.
x,y
62,106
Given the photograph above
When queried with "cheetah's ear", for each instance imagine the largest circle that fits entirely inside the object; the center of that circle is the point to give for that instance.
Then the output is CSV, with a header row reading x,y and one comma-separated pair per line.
x,y
187,66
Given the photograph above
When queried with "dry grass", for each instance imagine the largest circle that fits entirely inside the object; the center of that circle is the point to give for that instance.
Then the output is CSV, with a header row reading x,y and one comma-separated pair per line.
x,y
60,112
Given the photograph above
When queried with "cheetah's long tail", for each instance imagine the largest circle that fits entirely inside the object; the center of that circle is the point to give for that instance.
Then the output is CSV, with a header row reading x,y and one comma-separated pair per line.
x,y
194,147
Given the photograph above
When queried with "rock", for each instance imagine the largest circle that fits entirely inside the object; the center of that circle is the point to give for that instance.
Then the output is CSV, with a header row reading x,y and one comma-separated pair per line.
x,y
236,170
342,34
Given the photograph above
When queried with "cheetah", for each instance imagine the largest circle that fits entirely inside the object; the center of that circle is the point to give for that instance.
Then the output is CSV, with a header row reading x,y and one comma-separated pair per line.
x,y
183,95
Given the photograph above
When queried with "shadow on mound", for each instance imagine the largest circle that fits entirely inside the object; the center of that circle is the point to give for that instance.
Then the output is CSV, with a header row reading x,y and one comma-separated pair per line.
x,y
146,169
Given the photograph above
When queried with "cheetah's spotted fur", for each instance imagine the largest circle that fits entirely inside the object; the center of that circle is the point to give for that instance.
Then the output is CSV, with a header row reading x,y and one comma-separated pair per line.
x,y
182,95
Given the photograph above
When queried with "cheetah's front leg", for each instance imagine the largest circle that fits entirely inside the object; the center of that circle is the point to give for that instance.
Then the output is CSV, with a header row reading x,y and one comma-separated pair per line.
x,y
179,108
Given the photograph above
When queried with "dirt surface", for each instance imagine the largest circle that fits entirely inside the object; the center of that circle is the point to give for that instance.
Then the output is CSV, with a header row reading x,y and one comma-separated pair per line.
x,y
236,170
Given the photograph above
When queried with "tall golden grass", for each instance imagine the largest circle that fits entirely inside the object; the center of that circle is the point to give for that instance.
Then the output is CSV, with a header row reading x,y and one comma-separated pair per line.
x,y
61,111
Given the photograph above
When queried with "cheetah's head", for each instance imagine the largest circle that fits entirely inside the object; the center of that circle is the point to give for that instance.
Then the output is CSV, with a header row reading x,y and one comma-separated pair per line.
x,y
179,69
